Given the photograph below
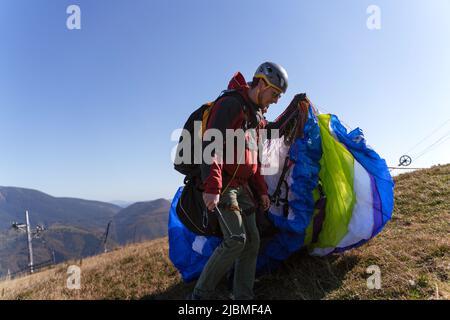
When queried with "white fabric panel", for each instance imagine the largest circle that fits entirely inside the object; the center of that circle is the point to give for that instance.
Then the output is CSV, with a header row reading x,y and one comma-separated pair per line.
x,y
198,244
274,154
361,223
291,195
278,211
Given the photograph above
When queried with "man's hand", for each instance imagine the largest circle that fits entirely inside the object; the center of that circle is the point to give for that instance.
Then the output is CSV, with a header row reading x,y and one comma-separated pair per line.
x,y
211,200
296,100
265,202
301,103
303,107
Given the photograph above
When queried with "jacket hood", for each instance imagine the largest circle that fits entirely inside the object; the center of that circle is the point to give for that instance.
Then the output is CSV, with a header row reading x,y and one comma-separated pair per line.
x,y
238,82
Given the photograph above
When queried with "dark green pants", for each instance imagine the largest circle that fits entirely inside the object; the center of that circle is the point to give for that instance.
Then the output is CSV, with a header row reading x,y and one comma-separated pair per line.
x,y
240,252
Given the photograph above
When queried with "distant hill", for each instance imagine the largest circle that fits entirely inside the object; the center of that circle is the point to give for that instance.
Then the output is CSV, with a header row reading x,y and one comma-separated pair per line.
x,y
142,221
121,203
412,252
47,210
75,226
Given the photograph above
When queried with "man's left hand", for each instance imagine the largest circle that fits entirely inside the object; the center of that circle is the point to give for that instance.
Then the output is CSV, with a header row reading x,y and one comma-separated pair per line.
x,y
265,202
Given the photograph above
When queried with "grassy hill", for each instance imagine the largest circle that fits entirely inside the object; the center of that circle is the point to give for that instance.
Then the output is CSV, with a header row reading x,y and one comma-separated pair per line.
x,y
412,252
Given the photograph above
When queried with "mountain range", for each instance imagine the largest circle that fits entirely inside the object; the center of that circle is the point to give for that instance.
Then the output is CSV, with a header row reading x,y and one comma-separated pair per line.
x,y
75,228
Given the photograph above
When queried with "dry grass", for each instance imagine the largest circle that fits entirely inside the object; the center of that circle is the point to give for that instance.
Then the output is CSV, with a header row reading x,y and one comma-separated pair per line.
x,y
133,272
413,253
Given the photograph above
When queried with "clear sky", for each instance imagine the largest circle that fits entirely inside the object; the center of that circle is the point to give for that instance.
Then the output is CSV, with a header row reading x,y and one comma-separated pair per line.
x,y
89,113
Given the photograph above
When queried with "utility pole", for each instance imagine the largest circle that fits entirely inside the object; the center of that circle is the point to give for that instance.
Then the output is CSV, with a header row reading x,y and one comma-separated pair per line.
x,y
30,245
106,237
35,233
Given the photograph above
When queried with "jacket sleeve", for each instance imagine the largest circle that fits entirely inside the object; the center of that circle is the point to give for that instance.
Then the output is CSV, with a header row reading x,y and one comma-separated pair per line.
x,y
226,114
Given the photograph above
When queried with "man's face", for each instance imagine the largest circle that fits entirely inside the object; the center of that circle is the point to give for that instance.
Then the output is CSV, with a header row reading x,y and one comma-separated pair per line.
x,y
268,95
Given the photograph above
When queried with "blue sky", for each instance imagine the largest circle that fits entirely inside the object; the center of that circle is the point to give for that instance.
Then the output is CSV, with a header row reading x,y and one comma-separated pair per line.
x,y
89,113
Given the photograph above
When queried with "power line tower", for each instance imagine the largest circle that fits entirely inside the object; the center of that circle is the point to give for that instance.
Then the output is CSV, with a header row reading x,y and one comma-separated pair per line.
x,y
31,233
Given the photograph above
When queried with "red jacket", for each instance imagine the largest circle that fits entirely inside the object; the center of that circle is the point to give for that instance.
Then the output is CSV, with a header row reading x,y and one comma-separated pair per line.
x,y
228,113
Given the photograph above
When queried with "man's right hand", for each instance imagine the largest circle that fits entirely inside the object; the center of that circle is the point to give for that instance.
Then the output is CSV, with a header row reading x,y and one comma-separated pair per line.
x,y
302,103
296,100
211,200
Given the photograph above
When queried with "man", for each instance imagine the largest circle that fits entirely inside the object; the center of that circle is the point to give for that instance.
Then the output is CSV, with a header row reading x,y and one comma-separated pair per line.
x,y
228,186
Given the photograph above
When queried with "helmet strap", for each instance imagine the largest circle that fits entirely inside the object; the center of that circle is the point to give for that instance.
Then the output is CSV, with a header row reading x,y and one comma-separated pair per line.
x,y
260,92
258,97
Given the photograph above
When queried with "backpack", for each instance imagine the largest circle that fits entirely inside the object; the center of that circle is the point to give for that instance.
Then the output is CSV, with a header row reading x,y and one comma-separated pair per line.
x,y
191,209
192,167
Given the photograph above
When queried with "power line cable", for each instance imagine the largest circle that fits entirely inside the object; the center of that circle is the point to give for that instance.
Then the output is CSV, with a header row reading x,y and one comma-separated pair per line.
x,y
431,147
429,135
434,145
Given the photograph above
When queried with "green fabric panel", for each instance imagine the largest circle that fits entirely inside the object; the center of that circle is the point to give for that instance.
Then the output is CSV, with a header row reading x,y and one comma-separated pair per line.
x,y
309,230
336,173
